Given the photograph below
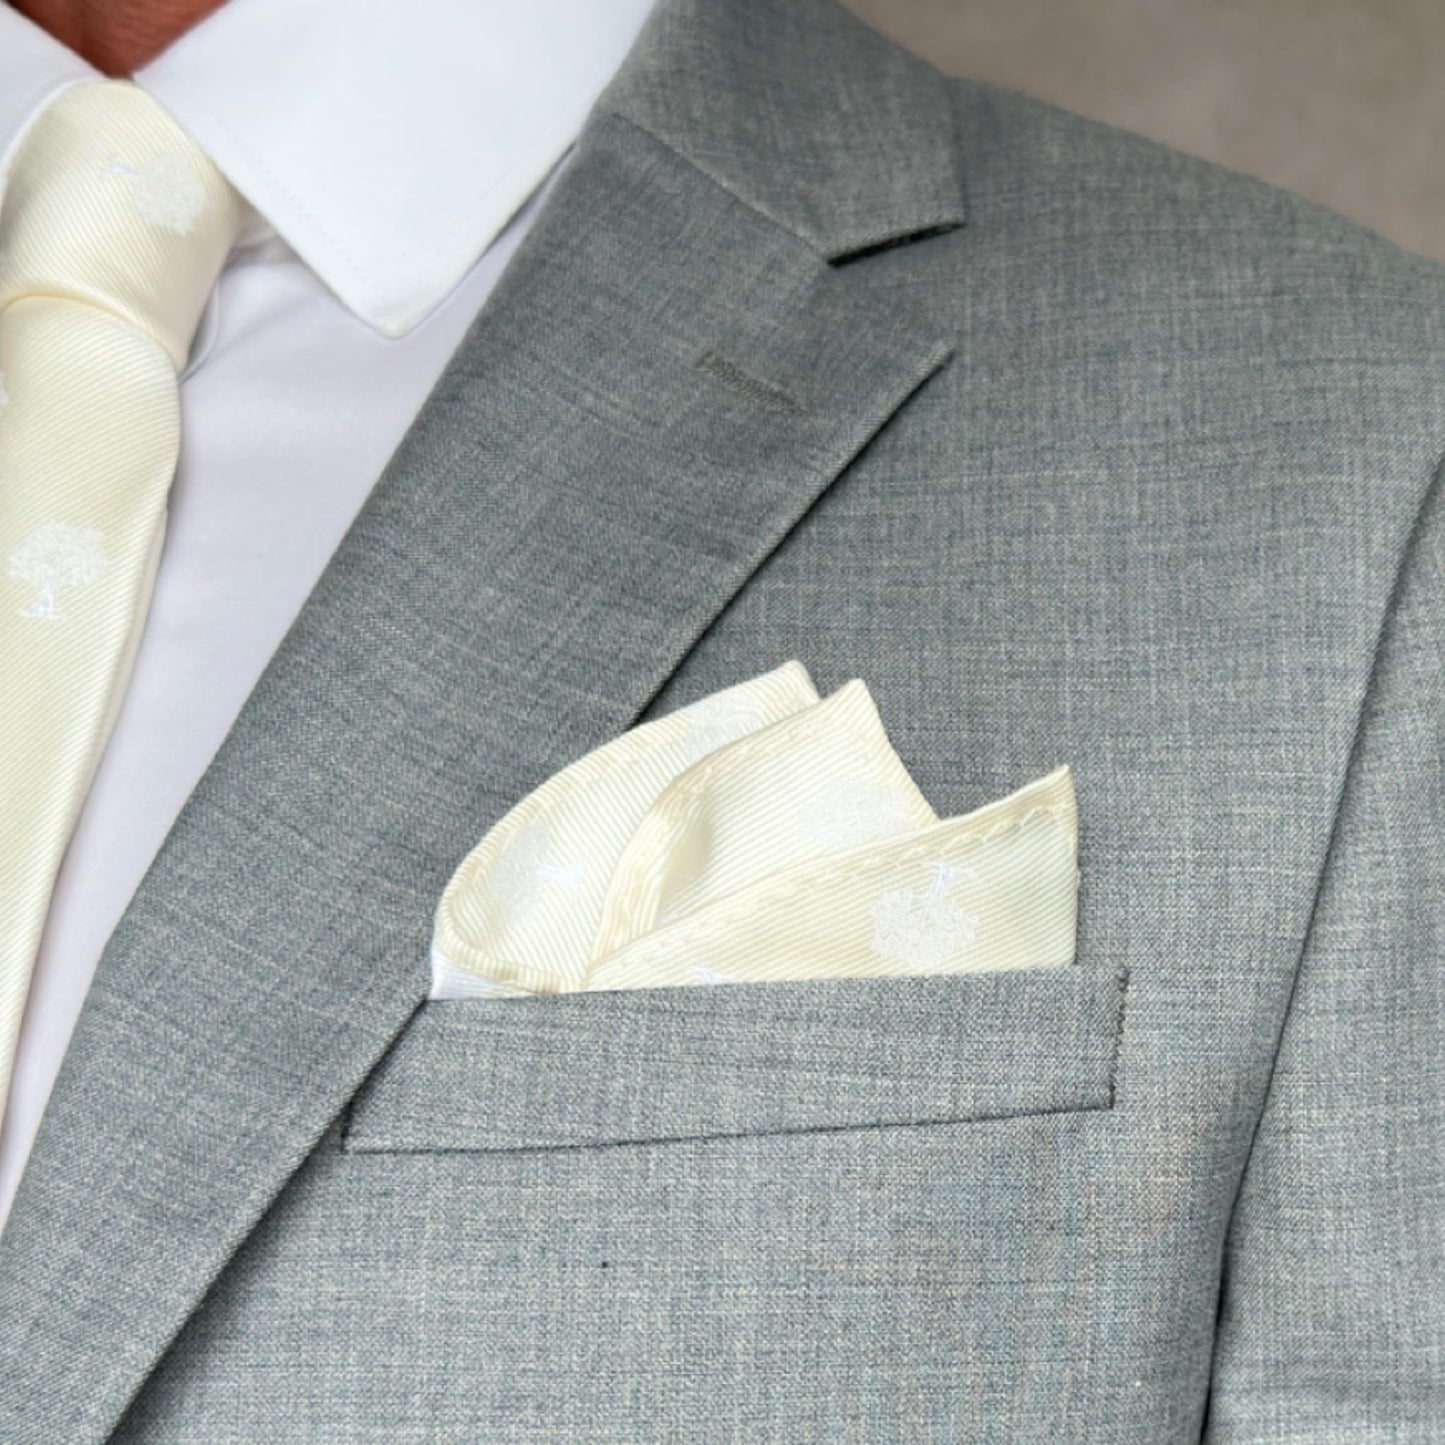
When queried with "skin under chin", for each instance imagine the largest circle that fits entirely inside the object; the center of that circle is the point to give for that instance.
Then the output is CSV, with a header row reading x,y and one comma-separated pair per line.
x,y
116,36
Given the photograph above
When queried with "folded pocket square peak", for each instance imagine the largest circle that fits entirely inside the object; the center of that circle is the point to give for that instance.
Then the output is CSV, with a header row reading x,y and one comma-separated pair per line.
x,y
758,834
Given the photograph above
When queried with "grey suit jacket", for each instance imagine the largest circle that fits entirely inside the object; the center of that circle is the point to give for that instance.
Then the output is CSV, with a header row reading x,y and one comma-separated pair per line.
x,y
1077,450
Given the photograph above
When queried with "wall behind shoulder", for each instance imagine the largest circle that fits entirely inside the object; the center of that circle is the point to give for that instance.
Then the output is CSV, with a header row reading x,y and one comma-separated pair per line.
x,y
1340,100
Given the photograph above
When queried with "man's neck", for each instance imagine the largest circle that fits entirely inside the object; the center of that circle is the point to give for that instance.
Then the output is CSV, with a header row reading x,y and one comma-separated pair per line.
x,y
116,36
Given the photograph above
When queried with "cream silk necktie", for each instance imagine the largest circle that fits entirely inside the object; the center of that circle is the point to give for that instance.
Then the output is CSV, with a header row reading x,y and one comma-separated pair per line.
x,y
113,229
760,834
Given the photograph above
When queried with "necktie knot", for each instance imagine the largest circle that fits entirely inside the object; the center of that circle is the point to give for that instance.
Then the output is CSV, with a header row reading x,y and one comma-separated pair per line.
x,y
110,203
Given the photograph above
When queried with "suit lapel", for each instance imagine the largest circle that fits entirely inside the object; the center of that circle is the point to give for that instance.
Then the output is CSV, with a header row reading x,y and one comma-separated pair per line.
x,y
668,375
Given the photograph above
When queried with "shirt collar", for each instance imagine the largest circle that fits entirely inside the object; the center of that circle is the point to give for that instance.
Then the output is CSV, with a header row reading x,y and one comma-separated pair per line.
x,y
33,67
387,141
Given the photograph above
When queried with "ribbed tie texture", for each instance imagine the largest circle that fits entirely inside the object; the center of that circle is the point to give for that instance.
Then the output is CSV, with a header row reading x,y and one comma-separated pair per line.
x,y
113,229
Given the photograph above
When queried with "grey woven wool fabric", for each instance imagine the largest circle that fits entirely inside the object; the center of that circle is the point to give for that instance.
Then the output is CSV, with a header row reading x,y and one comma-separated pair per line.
x,y
1077,450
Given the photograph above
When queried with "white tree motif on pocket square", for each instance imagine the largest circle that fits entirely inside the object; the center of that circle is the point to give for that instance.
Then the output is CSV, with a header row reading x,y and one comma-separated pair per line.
x,y
795,847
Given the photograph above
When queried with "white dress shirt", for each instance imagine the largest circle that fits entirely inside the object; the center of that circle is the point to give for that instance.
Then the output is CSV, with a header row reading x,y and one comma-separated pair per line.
x,y
394,153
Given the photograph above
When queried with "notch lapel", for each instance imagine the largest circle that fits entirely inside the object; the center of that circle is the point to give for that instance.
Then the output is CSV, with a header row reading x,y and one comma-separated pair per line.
x,y
667,376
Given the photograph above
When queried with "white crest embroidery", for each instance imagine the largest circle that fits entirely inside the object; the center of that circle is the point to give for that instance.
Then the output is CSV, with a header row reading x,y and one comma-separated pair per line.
x,y
716,721
711,976
525,868
922,931
857,811
167,192
55,556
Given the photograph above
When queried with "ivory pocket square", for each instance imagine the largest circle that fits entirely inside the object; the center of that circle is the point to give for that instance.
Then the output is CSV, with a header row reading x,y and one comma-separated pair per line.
x,y
760,834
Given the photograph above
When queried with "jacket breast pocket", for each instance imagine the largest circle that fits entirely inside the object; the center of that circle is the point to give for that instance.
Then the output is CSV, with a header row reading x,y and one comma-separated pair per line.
x,y
653,1065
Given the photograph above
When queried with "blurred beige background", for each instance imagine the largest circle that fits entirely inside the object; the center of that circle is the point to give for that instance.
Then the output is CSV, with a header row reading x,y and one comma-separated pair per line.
x,y
1342,100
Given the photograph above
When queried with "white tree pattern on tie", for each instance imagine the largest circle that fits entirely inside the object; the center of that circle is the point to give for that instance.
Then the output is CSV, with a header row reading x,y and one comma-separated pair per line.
x,y
55,556
167,192
922,931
